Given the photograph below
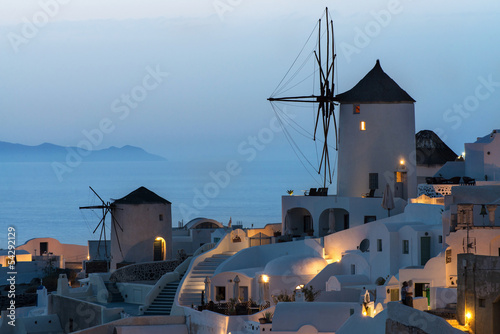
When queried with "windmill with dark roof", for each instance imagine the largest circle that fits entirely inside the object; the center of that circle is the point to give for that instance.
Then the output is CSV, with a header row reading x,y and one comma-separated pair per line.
x,y
376,138
146,234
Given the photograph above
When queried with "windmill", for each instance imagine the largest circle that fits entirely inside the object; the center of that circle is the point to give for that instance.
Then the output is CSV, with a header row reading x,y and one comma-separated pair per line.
x,y
324,59
106,208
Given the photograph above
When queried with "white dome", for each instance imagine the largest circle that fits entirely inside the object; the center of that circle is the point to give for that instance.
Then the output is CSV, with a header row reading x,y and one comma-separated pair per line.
x,y
295,265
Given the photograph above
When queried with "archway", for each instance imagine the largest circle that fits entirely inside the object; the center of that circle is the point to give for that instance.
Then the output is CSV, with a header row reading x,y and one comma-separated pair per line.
x,y
159,246
298,221
341,219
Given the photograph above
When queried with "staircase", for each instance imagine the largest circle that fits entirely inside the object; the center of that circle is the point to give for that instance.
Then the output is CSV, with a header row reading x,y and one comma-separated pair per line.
x,y
163,302
114,295
194,284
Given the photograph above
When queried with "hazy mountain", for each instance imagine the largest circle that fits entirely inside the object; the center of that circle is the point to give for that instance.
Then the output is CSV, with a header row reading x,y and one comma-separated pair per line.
x,y
46,152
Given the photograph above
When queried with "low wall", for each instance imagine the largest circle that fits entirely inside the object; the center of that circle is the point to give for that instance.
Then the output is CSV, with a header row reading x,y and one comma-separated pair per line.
x,y
135,321
75,314
148,271
134,293
404,319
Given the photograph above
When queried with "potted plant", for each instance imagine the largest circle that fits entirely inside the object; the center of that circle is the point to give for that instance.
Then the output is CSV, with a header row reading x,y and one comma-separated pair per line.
x,y
289,192
267,318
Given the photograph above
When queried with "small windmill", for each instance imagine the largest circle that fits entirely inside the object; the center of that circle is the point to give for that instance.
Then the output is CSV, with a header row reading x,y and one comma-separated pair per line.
x,y
106,208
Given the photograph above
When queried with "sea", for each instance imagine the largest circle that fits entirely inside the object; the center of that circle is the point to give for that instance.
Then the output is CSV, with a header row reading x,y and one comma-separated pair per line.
x,y
39,200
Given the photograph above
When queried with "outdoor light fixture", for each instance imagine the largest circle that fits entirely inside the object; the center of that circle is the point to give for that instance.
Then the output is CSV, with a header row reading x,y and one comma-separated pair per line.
x,y
299,287
158,238
468,316
364,313
265,278
402,162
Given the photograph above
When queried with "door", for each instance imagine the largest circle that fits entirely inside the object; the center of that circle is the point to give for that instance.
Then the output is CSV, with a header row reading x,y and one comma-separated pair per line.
x,y
159,249
425,250
244,293
44,248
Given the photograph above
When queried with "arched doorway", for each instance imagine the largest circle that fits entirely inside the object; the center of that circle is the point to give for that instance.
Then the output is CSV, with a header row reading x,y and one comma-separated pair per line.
x,y
340,220
159,249
298,222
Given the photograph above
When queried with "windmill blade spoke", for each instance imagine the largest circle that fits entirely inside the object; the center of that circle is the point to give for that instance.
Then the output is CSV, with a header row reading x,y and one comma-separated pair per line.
x,y
118,241
317,120
116,222
101,221
320,67
104,203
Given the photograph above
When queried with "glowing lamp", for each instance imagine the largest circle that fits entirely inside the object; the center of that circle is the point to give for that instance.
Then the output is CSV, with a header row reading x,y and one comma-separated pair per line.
x,y
265,278
402,162
88,257
364,313
468,316
299,287
158,238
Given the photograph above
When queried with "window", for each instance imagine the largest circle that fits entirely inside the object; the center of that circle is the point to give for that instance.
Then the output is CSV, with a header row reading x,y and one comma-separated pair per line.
x,y
482,302
353,269
372,180
346,221
356,109
406,246
369,219
440,239
160,218
448,256
379,245
362,126
220,293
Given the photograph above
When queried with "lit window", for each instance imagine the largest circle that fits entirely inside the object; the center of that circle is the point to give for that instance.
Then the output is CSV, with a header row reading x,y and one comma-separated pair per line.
x,y
362,126
356,109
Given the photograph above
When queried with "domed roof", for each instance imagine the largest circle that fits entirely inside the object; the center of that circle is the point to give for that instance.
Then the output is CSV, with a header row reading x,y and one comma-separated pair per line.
x,y
295,265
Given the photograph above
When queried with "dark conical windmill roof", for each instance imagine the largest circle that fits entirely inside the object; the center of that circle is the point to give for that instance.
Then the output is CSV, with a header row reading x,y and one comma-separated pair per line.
x,y
375,87
431,150
141,195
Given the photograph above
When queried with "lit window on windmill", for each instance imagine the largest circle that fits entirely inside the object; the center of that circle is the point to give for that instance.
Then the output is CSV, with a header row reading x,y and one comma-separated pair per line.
x,y
362,125
399,177
356,109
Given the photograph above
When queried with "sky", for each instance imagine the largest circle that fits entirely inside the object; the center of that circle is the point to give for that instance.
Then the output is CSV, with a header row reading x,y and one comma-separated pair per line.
x,y
189,80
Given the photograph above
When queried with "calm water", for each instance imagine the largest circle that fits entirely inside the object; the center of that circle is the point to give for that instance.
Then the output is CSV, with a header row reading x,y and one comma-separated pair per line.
x,y
37,204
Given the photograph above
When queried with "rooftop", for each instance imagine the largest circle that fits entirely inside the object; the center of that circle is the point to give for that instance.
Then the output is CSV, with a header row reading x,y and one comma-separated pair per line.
x,y
375,87
141,195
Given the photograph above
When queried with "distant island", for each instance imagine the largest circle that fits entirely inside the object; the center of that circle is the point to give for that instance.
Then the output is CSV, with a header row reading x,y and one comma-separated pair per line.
x,y
46,152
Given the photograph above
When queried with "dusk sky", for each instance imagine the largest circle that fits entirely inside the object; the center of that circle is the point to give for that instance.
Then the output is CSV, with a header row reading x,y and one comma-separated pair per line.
x,y
203,69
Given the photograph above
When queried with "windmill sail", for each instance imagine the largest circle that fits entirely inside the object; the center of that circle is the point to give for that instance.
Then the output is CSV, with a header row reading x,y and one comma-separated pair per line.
x,y
324,58
106,208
